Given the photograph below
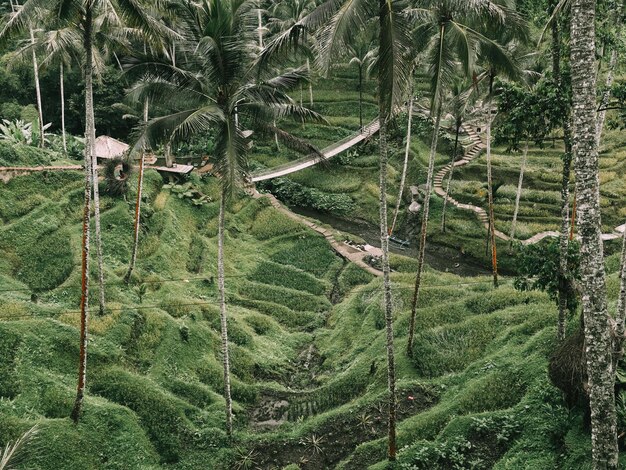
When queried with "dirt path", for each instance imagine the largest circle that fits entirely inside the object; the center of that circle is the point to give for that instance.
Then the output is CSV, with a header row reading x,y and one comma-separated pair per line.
x,y
345,251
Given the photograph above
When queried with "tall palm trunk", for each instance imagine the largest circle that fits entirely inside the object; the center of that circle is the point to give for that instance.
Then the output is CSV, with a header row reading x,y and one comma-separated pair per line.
x,y
518,194
62,84
223,320
598,347
96,207
404,166
604,101
423,231
133,257
361,96
492,219
384,109
84,298
37,90
260,21
564,241
445,198
436,108
565,180
308,69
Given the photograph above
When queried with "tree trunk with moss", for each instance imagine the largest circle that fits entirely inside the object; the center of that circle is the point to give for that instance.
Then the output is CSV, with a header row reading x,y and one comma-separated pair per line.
x,y
84,298
598,344
423,229
133,256
492,219
384,110
223,318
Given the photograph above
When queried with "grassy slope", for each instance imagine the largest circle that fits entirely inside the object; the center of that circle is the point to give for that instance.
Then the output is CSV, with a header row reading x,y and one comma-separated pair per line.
x,y
154,373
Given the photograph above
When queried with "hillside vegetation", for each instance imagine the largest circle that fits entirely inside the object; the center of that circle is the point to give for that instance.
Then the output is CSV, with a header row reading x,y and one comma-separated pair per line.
x,y
307,345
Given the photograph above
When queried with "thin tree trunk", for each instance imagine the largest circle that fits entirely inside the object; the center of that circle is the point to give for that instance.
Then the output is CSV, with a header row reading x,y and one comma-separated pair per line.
x,y
572,226
37,89
276,138
61,80
96,206
564,236
609,75
361,96
492,219
223,319
445,198
436,108
404,167
260,20
84,298
133,257
423,231
308,69
598,347
620,314
169,160
518,195
384,104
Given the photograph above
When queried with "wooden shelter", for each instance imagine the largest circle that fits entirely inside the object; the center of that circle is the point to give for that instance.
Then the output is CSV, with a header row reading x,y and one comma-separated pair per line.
x,y
107,148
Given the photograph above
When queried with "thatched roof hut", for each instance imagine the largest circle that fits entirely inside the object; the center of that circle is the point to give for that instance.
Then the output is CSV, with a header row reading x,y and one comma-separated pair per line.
x,y
106,147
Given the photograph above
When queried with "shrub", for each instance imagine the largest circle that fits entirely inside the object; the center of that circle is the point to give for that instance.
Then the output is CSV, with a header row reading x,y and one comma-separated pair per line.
x,y
298,195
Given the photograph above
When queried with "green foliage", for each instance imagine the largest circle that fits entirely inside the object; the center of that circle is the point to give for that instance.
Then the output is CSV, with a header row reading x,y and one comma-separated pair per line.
x,y
298,195
188,191
23,155
539,270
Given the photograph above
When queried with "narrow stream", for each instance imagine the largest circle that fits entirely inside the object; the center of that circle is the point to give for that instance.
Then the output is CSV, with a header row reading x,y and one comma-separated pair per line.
x,y
441,258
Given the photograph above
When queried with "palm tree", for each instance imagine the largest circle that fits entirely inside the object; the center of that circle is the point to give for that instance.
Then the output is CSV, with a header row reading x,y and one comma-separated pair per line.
x,y
453,32
286,14
405,165
459,101
81,14
133,256
217,86
566,232
335,24
40,127
598,349
362,54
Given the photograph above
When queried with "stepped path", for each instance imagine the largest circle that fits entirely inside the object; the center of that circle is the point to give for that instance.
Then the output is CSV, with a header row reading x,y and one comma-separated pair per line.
x,y
344,250
313,159
471,151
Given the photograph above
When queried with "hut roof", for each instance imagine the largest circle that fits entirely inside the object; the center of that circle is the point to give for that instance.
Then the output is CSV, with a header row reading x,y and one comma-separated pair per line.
x,y
108,147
